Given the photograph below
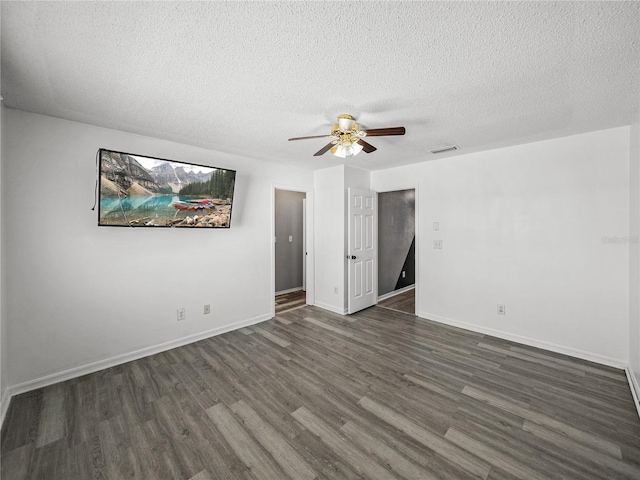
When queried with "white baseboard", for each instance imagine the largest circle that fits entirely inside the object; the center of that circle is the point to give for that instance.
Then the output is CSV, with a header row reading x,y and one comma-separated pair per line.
x,y
396,292
290,290
119,359
634,386
331,308
147,351
573,352
4,404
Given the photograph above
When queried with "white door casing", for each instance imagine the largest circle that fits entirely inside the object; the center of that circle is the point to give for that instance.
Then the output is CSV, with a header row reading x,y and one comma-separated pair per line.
x,y
362,250
304,244
309,242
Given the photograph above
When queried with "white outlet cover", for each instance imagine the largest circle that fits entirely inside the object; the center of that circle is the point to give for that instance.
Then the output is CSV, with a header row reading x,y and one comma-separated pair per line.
x,y
436,226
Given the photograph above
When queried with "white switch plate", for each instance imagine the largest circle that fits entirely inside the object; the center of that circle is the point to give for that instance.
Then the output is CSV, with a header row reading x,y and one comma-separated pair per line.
x,y
437,244
291,238
436,226
182,315
502,309
207,309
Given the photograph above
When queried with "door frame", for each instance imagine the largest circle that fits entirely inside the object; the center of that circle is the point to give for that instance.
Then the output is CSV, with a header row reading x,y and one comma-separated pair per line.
x,y
416,225
307,234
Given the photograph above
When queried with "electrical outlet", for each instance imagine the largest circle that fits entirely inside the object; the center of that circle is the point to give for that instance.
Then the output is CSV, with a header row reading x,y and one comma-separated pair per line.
x,y
501,309
335,290
437,244
207,309
182,315
436,226
404,274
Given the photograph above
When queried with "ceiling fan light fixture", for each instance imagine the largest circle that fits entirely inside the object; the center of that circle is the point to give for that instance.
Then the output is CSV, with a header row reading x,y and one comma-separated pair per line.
x,y
346,150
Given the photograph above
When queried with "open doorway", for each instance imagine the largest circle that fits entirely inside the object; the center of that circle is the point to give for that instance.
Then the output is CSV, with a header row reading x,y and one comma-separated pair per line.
x,y
290,250
397,250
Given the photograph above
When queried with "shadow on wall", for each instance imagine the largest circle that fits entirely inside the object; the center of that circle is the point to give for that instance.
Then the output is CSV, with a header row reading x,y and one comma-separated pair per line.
x,y
396,240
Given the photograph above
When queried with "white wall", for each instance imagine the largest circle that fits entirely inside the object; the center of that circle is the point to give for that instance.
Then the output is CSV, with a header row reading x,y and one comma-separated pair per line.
x,y
634,254
78,293
329,187
523,226
3,324
356,178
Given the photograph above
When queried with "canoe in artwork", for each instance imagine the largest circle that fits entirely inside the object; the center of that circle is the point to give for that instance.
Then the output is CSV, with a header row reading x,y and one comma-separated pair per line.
x,y
202,204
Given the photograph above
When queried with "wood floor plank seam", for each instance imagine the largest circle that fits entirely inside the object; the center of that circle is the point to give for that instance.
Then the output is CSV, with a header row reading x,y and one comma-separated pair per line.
x,y
343,448
578,435
244,446
453,453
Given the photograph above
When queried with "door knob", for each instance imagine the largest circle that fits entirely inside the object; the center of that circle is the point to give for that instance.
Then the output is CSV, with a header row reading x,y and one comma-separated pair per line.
x,y
352,257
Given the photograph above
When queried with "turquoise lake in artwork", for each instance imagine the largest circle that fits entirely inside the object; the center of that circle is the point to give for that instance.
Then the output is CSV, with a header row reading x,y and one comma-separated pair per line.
x,y
139,211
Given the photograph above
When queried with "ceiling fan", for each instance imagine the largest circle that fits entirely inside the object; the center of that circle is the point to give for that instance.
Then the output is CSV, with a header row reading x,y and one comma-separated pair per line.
x,y
348,139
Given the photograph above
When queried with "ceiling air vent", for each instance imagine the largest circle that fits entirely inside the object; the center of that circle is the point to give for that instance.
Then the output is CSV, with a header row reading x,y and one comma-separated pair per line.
x,y
445,149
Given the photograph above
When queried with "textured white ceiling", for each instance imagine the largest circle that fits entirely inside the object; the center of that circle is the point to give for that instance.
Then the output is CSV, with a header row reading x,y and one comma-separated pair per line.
x,y
243,77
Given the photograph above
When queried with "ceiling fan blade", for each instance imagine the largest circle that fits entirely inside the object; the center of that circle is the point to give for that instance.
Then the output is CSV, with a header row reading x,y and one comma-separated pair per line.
x,y
366,147
379,132
323,150
314,136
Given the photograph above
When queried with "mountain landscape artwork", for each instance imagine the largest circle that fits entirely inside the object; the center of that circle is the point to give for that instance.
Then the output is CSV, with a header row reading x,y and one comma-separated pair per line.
x,y
139,191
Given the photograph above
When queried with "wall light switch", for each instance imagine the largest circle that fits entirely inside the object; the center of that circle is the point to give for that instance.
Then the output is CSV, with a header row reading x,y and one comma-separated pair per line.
x,y
291,238
436,226
437,244
501,309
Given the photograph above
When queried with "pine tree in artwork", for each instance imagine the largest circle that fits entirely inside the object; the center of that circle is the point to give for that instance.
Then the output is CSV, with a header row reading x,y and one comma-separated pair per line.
x,y
220,185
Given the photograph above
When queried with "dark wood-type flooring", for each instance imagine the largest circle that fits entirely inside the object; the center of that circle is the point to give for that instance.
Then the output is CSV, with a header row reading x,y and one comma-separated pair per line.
x,y
313,395
403,302
289,301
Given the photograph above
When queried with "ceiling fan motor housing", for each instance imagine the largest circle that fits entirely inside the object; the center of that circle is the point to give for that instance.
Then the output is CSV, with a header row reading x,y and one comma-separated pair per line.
x,y
346,123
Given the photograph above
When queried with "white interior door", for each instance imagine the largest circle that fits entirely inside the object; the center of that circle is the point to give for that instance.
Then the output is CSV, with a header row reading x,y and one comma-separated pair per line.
x,y
362,250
